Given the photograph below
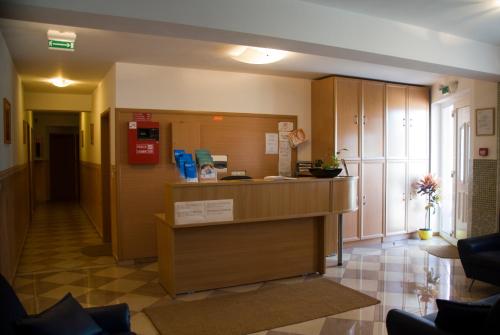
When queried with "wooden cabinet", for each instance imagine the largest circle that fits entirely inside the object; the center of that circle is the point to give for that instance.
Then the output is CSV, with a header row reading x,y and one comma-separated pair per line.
x,y
395,208
418,122
373,119
351,220
347,111
416,202
385,127
396,121
372,199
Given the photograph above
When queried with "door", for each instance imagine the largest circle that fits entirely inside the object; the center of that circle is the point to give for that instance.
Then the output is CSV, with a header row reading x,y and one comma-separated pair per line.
x,y
396,121
351,220
372,199
446,142
462,174
347,102
373,119
416,202
63,167
418,122
396,198
105,178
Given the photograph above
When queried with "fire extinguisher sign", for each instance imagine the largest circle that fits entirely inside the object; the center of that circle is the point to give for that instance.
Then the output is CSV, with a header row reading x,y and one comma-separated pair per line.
x,y
144,149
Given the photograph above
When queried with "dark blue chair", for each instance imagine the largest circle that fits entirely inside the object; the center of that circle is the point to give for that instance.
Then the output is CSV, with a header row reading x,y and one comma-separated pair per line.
x,y
480,258
113,319
399,322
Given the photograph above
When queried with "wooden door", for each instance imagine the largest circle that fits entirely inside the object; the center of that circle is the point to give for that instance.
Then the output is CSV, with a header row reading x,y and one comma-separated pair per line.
x,y
373,119
347,102
418,122
396,121
372,199
416,203
63,167
106,177
351,220
396,198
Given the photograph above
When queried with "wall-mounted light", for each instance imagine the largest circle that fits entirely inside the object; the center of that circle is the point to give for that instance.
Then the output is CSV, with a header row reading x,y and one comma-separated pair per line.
x,y
60,82
254,55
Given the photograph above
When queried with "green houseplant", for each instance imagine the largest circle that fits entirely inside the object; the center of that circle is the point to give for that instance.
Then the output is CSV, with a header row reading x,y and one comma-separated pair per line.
x,y
428,187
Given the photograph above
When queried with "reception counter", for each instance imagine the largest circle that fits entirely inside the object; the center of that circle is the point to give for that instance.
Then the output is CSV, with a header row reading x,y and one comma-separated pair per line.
x,y
229,233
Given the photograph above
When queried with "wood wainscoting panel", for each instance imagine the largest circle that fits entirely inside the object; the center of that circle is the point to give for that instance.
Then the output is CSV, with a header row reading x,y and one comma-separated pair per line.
x,y
14,217
41,180
113,211
90,193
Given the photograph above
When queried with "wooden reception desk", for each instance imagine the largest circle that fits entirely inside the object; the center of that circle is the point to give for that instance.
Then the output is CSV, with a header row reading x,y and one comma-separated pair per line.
x,y
229,233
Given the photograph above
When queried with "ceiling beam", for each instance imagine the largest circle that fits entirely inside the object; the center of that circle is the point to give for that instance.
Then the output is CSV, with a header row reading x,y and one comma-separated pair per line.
x,y
292,25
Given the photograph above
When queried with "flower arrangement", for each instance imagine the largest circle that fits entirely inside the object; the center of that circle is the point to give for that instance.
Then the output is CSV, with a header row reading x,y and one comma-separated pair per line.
x,y
429,186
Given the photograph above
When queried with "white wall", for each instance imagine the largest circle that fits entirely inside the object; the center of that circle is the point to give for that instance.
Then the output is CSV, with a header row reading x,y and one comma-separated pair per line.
x,y
11,88
158,87
58,102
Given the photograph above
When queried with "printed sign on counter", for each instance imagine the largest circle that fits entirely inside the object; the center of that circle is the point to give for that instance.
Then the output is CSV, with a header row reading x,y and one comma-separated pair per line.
x,y
187,212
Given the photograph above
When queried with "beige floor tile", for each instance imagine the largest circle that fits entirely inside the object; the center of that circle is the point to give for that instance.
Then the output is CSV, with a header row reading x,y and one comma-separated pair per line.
x,y
141,325
115,272
312,327
136,302
64,277
122,285
61,291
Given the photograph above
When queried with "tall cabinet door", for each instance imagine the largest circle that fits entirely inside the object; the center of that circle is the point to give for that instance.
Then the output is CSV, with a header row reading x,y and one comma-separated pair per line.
x,y
351,220
396,121
373,119
372,199
396,198
416,202
418,122
347,103
322,119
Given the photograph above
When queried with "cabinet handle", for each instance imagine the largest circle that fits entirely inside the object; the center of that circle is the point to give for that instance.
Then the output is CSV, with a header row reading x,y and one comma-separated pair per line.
x,y
404,122
404,196
356,119
364,120
364,200
411,123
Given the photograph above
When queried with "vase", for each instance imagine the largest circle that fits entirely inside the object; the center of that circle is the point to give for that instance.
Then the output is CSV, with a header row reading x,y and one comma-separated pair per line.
x,y
425,234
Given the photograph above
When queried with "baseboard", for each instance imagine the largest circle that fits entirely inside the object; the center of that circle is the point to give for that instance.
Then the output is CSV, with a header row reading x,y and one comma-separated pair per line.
x,y
90,219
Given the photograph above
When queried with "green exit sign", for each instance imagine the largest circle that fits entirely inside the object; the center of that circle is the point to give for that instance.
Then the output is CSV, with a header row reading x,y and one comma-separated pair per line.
x,y
61,45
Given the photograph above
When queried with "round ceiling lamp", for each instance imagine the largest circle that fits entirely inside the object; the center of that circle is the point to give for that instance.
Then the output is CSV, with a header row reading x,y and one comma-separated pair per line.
x,y
60,82
255,55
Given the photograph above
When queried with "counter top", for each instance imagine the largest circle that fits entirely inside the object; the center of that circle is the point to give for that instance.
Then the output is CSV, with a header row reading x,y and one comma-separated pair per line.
x,y
258,181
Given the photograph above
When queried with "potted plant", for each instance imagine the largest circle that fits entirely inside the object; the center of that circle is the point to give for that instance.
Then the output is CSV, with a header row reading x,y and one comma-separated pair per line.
x,y
328,169
428,187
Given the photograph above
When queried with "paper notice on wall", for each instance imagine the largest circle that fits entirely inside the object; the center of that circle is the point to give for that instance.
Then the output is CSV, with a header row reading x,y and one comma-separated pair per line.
x,y
285,126
271,144
187,212
285,159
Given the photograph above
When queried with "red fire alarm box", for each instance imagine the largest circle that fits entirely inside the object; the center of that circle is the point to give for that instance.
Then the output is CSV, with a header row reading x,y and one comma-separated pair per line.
x,y
143,142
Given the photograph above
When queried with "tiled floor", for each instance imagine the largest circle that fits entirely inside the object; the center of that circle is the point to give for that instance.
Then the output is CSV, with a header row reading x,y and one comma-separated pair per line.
x,y
399,275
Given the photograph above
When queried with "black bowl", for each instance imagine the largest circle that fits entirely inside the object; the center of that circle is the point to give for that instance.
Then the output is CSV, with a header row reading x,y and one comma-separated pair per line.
x,y
325,173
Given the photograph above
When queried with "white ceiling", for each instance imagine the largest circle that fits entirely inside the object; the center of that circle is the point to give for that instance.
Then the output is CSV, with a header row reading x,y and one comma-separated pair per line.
x,y
97,50
474,19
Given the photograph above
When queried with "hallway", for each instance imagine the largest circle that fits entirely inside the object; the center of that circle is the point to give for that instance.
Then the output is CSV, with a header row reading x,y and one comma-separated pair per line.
x,y
60,238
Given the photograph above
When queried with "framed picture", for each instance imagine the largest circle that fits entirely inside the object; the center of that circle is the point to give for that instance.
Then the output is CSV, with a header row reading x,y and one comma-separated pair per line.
x,y
485,121
7,135
92,134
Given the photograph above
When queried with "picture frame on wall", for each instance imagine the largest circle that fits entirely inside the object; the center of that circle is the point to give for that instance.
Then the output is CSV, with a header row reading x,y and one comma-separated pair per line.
x,y
7,134
485,121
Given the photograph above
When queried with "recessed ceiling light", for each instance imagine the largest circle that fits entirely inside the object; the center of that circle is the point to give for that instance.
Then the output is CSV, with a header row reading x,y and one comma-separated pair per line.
x,y
254,55
60,82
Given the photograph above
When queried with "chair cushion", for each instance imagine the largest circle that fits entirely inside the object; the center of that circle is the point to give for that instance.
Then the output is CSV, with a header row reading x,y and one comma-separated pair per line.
x,y
66,317
493,321
461,318
489,259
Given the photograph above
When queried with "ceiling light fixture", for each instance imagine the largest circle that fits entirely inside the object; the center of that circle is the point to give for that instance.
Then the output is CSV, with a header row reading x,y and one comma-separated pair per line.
x,y
60,82
254,55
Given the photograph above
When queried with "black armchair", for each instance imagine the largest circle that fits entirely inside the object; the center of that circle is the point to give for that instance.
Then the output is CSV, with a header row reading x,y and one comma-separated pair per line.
x,y
113,319
399,322
480,257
